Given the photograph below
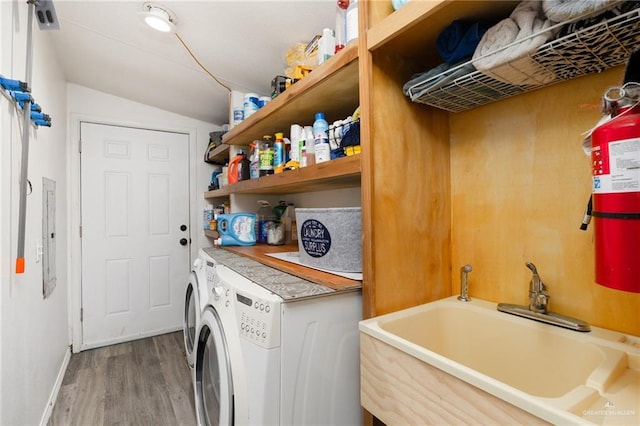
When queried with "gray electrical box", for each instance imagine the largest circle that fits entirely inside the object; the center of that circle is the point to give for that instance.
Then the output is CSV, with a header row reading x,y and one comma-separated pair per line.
x,y
48,236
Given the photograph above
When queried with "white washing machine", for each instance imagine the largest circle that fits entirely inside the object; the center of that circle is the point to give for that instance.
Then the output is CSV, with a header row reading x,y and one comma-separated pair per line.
x,y
261,361
197,294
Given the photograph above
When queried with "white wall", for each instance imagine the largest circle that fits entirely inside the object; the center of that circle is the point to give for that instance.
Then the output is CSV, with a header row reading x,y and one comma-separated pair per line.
x,y
35,333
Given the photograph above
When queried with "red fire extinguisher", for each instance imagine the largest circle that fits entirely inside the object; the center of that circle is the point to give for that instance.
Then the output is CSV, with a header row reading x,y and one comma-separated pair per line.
x,y
615,155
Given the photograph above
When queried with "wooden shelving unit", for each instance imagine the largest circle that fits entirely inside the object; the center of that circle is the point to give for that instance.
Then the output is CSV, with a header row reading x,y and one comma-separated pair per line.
x,y
332,88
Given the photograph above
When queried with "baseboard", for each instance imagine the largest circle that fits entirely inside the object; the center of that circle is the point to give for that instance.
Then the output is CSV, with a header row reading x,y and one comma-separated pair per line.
x,y
124,339
56,388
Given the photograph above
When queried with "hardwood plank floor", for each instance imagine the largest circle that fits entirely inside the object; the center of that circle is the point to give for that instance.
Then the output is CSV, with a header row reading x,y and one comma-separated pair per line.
x,y
144,382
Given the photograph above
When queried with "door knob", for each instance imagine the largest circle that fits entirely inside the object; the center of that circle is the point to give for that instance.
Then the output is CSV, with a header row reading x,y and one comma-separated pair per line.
x,y
183,241
183,227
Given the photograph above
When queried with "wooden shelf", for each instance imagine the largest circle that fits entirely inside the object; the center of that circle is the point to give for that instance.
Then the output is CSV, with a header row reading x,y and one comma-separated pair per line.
x,y
331,88
339,173
414,28
219,155
259,254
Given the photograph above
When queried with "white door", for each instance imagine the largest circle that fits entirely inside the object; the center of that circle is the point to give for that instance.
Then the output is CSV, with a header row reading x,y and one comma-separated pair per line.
x,y
135,232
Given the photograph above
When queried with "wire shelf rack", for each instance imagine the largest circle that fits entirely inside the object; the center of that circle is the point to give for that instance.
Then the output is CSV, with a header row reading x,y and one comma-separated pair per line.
x,y
587,50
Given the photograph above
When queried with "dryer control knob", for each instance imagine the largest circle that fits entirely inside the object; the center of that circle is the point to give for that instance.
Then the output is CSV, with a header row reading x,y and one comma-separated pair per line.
x,y
217,292
197,263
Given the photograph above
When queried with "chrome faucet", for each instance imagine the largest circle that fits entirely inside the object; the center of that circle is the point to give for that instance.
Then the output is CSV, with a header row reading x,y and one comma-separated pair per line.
x,y
464,283
538,309
538,294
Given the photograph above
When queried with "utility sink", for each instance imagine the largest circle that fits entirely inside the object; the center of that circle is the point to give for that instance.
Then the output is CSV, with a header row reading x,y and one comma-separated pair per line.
x,y
558,375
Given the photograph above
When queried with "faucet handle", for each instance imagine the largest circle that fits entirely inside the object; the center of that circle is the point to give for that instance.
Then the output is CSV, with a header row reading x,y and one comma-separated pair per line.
x,y
538,293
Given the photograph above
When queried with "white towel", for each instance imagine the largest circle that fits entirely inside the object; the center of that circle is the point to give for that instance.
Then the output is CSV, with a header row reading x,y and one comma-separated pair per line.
x,y
564,10
508,44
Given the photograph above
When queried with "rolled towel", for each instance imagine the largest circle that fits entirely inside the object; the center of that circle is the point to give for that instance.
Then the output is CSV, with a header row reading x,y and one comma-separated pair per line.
x,y
503,52
564,10
459,40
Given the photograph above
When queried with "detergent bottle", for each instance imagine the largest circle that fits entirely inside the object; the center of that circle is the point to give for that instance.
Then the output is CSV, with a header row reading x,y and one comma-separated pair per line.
x,y
236,229
238,168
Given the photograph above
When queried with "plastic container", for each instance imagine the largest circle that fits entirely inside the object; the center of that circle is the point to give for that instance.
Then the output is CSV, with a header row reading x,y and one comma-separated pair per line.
x,y
309,146
295,134
265,153
326,45
352,21
341,26
264,217
321,138
263,100
278,211
251,104
254,161
207,217
290,227
279,154
236,229
275,233
330,238
238,168
238,115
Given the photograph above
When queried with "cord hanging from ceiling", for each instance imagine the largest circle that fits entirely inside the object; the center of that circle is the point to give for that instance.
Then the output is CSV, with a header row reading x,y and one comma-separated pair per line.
x,y
164,20
200,64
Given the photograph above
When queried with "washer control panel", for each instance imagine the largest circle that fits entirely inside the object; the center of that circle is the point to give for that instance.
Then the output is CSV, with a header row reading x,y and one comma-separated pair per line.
x,y
258,319
219,291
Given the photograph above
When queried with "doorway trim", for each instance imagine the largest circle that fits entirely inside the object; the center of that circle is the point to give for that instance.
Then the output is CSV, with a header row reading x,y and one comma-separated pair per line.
x,y
74,260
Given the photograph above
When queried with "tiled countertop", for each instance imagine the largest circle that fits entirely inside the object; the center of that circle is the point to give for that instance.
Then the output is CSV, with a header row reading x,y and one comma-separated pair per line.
x,y
285,285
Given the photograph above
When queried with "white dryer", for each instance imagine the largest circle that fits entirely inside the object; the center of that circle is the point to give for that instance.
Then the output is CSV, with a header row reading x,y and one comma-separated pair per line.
x,y
197,294
261,361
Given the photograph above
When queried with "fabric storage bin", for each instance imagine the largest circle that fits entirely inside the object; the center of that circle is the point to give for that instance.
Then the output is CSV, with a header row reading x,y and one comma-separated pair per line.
x,y
330,238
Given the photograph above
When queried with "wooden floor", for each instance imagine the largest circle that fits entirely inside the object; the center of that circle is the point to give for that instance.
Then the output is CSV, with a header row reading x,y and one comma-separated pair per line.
x,y
144,382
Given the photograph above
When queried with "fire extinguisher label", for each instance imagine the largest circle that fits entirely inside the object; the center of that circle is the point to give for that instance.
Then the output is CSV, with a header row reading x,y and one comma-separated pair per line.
x,y
617,170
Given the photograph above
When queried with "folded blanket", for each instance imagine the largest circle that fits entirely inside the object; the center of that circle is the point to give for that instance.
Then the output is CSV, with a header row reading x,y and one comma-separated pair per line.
x,y
564,10
459,40
610,13
515,38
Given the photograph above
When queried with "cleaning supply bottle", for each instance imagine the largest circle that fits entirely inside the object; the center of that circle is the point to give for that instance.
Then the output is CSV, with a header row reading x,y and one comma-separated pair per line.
x,y
341,25
326,45
266,156
321,138
309,146
279,154
236,229
278,211
238,168
290,226
352,21
264,217
254,160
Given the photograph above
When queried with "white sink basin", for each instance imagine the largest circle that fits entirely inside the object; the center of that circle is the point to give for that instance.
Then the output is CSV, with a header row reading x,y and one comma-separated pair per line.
x,y
556,374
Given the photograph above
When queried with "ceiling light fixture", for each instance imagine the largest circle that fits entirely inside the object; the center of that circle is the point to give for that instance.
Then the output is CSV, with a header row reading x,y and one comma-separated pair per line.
x,y
159,18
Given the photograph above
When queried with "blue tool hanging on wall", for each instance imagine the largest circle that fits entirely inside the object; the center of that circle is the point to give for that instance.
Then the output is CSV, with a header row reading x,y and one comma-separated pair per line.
x,y
31,112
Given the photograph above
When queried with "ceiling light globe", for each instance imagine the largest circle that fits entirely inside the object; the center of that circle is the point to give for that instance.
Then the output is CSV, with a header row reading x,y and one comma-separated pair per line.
x,y
158,18
157,24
